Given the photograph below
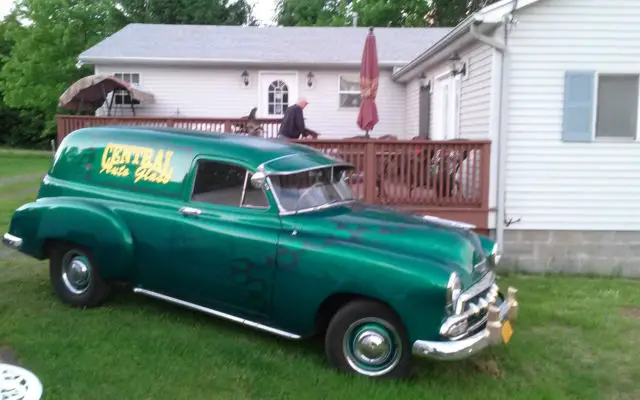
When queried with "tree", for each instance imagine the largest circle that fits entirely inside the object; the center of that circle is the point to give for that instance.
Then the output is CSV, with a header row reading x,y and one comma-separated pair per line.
x,y
48,35
199,12
452,12
43,59
305,12
20,127
395,13
379,13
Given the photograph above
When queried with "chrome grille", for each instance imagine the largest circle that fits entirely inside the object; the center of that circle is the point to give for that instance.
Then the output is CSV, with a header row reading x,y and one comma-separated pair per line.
x,y
476,295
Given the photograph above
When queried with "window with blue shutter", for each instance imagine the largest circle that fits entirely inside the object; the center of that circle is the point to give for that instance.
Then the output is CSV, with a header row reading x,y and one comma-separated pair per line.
x,y
579,98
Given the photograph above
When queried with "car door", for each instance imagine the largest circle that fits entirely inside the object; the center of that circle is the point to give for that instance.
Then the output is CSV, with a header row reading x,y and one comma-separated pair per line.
x,y
224,247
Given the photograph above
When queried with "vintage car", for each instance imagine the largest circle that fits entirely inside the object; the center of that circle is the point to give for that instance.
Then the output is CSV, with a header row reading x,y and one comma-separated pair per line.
x,y
265,233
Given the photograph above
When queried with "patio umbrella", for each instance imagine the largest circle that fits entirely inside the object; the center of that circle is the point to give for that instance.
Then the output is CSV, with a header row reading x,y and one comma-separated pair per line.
x,y
90,92
368,114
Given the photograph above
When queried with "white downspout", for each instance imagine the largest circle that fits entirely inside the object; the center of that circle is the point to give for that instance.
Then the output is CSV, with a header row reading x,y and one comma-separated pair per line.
x,y
501,47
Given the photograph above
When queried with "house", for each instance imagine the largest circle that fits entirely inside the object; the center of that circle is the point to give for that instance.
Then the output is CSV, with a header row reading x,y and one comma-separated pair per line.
x,y
553,84
225,71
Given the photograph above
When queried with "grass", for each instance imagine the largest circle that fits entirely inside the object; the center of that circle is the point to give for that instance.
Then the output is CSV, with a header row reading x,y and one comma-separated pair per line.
x,y
576,339
23,162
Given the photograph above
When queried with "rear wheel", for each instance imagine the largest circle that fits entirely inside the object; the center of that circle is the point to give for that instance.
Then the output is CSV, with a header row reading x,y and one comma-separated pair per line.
x,y
75,278
367,338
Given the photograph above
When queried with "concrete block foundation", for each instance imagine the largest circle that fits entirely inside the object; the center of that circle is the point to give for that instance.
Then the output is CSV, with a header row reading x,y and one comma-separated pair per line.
x,y
607,253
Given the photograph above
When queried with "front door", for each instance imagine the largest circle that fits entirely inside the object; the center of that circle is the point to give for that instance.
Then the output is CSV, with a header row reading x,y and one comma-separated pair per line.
x,y
224,250
277,92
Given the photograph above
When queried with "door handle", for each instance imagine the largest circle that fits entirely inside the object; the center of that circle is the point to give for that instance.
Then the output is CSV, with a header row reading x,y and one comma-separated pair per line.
x,y
190,211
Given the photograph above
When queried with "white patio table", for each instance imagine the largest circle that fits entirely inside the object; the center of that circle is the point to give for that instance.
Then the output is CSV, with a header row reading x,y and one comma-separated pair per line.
x,y
17,383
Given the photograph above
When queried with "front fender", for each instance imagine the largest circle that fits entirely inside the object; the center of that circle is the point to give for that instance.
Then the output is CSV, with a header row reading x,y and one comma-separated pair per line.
x,y
313,269
77,221
413,288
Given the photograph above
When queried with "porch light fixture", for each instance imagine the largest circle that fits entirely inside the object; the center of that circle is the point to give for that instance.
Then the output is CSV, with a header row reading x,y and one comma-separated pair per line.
x,y
310,77
424,81
456,68
245,77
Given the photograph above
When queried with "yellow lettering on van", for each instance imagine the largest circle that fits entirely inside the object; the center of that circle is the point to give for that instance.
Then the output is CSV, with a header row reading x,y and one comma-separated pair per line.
x,y
147,154
152,165
106,159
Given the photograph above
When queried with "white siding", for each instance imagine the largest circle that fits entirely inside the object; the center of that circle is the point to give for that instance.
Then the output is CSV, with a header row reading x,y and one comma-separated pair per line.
x,y
556,185
412,109
475,108
219,93
475,94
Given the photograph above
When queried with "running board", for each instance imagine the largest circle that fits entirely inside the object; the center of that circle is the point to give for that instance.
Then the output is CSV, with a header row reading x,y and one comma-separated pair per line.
x,y
220,314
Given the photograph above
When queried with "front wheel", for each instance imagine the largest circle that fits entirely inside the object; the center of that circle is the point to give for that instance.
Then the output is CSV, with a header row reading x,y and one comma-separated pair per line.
x,y
75,278
367,338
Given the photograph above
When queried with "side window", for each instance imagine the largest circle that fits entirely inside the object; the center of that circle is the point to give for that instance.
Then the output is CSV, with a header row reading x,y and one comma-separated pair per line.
x,y
224,184
122,97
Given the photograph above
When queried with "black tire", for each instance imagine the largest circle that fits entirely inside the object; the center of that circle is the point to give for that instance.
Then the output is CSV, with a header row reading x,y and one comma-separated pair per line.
x,y
91,291
367,318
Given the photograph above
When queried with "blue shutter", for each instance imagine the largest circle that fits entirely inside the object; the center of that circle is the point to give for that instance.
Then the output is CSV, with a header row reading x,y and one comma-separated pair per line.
x,y
577,124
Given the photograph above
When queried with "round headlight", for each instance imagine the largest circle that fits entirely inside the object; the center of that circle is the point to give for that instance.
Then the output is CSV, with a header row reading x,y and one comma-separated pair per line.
x,y
454,288
495,255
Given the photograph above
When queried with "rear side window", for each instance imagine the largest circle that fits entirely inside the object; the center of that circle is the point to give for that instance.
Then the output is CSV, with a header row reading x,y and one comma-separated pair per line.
x,y
226,184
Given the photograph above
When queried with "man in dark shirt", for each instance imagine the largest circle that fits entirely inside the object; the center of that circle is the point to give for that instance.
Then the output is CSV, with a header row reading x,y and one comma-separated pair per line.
x,y
292,125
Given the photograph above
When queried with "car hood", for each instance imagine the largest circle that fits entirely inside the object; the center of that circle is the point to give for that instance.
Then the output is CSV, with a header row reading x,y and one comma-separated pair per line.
x,y
437,243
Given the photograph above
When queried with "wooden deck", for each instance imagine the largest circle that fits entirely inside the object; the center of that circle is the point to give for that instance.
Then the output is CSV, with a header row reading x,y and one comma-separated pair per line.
x,y
448,179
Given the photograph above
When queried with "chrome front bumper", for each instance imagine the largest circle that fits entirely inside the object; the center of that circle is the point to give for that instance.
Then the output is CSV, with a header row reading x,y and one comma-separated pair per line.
x,y
491,335
11,241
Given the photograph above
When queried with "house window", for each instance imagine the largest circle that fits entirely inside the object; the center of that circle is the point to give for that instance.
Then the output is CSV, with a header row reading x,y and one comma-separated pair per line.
x,y
349,92
121,97
617,106
226,184
277,98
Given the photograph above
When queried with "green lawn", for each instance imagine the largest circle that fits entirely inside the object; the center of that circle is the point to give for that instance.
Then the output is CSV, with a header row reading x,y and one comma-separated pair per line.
x,y
577,338
23,162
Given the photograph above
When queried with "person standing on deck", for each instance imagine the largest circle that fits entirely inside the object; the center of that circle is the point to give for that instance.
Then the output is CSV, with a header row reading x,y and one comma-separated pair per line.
x,y
292,125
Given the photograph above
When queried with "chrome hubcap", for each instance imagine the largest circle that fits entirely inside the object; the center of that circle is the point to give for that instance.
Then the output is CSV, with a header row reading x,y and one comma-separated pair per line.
x,y
76,273
372,346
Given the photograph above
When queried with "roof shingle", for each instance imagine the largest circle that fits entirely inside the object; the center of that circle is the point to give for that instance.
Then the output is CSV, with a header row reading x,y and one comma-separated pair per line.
x,y
267,45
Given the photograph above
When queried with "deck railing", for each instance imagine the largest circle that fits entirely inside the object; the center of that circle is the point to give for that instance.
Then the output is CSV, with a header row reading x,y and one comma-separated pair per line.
x,y
415,172
69,123
448,178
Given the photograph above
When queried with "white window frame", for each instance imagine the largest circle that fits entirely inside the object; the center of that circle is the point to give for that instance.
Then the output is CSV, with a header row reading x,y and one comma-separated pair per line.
x,y
453,104
341,92
122,94
594,136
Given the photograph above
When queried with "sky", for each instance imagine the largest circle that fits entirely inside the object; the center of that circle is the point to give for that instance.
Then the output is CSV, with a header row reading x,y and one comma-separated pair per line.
x,y
263,9
5,7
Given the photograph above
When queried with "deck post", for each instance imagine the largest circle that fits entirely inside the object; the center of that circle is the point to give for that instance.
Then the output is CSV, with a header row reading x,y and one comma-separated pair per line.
x,y
370,171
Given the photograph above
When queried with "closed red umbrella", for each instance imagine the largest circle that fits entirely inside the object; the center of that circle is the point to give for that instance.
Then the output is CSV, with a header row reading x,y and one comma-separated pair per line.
x,y
368,115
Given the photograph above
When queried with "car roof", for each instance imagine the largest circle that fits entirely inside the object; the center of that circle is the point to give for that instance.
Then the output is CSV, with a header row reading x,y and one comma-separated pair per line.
x,y
271,156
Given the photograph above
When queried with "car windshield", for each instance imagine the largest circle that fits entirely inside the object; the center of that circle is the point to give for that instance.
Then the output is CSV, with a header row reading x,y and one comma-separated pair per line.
x,y
313,188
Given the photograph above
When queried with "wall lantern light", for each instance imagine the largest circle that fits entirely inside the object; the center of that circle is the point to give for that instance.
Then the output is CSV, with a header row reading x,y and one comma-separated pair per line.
x,y
310,77
424,81
457,67
245,77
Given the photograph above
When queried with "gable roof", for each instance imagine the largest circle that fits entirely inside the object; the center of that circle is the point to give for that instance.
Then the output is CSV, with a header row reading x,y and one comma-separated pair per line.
x,y
467,31
287,46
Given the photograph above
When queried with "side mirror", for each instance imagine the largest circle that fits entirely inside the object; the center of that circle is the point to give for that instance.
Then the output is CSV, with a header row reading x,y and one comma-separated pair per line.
x,y
258,180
